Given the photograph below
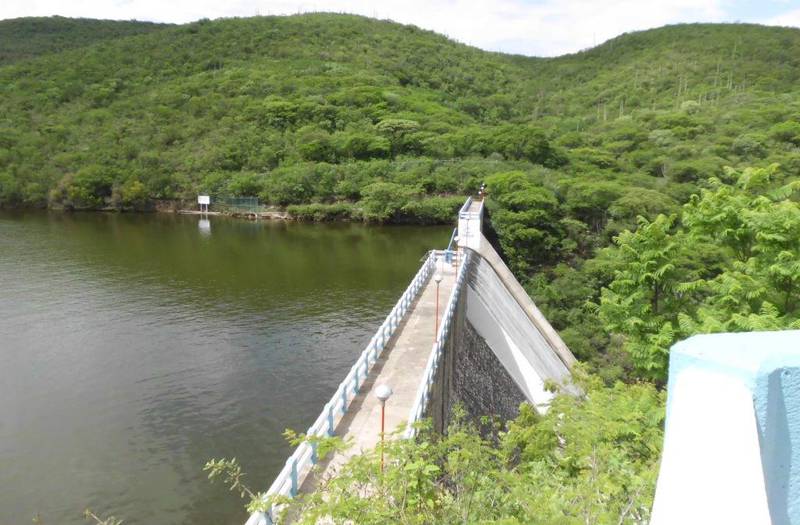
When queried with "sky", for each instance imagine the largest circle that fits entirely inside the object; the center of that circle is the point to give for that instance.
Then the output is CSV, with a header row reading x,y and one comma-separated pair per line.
x,y
529,27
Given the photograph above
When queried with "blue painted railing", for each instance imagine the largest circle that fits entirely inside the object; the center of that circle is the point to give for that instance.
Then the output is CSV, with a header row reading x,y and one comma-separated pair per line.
x,y
297,467
300,463
452,240
450,251
420,404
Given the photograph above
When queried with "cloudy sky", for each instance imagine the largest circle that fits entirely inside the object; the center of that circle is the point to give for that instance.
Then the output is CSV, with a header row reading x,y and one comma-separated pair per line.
x,y
531,27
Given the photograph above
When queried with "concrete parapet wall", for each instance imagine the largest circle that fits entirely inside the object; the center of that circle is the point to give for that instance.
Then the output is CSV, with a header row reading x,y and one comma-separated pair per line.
x,y
732,439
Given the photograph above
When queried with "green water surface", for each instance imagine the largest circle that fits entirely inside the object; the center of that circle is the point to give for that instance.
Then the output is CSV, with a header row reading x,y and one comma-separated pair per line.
x,y
135,347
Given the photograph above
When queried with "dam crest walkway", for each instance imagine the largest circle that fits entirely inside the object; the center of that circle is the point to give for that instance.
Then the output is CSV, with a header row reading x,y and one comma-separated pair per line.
x,y
462,319
400,366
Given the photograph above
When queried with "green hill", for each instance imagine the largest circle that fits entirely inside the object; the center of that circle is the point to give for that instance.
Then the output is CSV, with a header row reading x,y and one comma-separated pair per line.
x,y
260,103
23,38
345,117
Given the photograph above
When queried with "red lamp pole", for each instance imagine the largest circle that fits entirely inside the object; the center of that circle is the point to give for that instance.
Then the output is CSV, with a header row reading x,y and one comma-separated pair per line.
x,y
383,426
383,392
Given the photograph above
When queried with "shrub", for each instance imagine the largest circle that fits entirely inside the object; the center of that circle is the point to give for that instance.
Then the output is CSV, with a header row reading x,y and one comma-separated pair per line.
x,y
786,132
317,212
433,210
382,201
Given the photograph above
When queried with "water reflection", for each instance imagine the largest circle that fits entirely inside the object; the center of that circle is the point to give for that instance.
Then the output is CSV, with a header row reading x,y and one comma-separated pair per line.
x,y
204,225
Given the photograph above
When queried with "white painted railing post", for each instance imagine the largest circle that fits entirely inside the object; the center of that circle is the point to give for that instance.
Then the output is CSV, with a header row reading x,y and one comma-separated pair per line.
x,y
732,438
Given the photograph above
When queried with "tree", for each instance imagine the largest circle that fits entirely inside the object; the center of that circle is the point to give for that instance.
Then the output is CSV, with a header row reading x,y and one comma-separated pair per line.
x,y
361,145
525,216
522,142
134,194
731,265
397,130
637,303
382,201
590,201
314,144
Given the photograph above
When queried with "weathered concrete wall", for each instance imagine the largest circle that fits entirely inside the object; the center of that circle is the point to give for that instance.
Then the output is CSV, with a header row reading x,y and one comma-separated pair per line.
x,y
496,357
501,350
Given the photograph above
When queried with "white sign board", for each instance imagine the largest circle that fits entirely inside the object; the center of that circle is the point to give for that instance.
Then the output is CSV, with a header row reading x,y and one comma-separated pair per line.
x,y
203,199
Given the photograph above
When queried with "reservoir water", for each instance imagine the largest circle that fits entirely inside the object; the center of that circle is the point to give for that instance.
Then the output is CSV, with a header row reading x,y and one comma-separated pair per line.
x,y
133,348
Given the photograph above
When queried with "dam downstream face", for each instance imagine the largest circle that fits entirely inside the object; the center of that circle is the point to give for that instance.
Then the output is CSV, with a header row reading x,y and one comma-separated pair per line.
x,y
133,348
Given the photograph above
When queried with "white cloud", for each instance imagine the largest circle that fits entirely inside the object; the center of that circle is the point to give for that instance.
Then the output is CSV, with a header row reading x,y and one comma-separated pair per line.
x,y
533,27
790,18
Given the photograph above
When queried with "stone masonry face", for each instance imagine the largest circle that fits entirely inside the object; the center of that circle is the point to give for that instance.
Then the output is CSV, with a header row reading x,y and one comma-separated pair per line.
x,y
479,382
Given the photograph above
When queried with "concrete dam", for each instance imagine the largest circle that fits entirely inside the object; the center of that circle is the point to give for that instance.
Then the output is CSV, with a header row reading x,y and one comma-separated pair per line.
x,y
464,332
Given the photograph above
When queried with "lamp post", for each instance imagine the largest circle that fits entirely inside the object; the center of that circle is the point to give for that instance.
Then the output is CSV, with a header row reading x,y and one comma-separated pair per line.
x,y
438,278
383,392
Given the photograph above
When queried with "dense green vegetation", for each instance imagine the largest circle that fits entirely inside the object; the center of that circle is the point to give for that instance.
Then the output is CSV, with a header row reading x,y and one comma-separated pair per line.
x,y
591,459
730,263
25,38
315,108
581,463
643,191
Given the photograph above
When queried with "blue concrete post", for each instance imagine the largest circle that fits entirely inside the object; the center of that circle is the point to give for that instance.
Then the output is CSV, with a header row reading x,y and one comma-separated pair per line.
x,y
732,437
330,419
293,476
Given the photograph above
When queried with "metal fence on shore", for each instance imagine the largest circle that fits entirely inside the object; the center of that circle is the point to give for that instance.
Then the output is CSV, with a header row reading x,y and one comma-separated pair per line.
x,y
238,205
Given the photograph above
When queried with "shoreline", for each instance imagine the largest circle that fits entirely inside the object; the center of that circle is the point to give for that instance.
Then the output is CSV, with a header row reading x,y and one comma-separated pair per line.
x,y
271,215
436,210
266,215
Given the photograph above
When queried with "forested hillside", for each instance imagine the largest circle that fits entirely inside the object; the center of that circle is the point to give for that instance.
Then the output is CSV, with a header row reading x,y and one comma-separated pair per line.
x,y
23,38
344,117
643,190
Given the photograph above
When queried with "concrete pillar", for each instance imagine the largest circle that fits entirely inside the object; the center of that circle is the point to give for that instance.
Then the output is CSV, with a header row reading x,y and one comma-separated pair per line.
x,y
732,440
